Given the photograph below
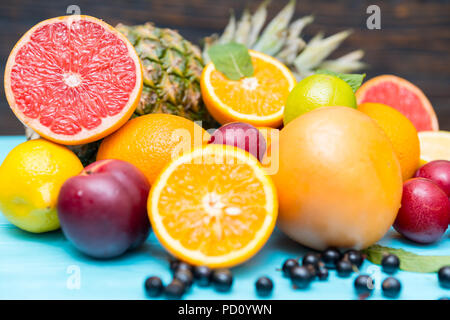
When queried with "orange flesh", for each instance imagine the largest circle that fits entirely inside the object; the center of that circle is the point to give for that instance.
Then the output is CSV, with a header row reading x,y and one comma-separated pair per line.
x,y
250,95
213,208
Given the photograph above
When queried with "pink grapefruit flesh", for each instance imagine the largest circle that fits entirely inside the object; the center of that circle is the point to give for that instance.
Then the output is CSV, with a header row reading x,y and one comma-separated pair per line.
x,y
73,79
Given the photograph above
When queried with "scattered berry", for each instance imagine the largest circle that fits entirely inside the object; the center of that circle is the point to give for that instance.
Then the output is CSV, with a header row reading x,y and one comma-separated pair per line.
x,y
202,275
330,257
312,270
288,265
363,285
311,259
153,286
444,277
185,276
390,263
301,277
173,264
222,280
174,290
391,287
322,273
344,268
264,286
354,257
183,266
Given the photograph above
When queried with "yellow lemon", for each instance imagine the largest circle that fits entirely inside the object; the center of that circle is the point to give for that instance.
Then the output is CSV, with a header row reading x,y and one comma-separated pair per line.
x,y
31,177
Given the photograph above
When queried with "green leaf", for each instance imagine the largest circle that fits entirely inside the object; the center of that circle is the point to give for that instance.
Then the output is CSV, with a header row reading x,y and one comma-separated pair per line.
x,y
408,261
232,59
354,80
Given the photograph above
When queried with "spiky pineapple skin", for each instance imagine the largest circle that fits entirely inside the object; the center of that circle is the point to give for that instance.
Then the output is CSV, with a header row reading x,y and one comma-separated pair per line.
x,y
172,69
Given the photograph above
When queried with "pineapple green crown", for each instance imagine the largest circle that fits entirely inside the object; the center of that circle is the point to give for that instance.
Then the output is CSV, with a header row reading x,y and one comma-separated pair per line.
x,y
282,39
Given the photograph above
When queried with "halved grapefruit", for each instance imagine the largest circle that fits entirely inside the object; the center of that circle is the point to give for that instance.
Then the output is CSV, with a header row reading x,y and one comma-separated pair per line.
x,y
73,79
402,95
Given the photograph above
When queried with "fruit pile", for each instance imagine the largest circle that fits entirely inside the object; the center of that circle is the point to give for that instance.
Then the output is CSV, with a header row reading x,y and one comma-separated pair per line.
x,y
349,162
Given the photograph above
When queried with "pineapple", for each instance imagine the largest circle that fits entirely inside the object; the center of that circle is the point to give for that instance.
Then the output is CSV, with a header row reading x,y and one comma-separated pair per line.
x,y
172,69
172,65
281,39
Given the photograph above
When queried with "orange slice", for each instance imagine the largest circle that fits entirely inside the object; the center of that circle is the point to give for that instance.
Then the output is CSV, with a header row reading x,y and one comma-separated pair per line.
x,y
258,100
73,79
214,206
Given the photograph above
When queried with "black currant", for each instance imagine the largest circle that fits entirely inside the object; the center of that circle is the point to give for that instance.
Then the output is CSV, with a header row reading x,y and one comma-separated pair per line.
x,y
183,266
301,277
390,263
173,264
391,287
202,275
264,286
344,268
174,290
444,277
363,285
330,257
288,265
222,280
311,259
185,276
153,286
322,273
354,257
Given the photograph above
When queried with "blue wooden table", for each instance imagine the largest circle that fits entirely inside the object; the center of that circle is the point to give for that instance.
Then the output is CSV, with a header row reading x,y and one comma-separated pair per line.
x,y
46,266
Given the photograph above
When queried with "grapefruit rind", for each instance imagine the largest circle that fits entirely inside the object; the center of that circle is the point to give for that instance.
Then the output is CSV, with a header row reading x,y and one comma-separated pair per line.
x,y
109,124
196,257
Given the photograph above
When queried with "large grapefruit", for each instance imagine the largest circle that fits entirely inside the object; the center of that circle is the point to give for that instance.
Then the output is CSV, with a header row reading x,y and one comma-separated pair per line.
x,y
73,79
402,95
339,181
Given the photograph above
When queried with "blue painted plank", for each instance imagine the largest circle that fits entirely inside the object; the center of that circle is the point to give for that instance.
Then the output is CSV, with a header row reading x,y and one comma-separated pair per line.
x,y
46,266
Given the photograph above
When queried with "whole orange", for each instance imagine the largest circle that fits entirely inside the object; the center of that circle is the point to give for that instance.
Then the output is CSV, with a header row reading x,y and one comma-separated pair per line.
x,y
400,131
151,141
339,182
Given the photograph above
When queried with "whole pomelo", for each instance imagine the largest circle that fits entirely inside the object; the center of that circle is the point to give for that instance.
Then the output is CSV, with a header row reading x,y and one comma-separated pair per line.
x,y
339,180
317,91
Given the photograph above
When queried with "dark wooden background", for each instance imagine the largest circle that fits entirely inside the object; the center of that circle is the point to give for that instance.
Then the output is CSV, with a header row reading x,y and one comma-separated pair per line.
x,y
414,40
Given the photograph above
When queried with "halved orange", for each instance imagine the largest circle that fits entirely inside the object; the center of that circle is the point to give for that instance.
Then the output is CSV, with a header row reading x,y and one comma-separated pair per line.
x,y
214,206
73,79
258,100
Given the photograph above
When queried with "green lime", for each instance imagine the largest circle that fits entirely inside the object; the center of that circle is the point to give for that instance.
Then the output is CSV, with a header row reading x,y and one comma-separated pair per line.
x,y
317,91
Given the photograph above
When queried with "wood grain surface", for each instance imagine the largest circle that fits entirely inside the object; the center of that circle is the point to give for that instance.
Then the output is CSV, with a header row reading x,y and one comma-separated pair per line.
x,y
414,40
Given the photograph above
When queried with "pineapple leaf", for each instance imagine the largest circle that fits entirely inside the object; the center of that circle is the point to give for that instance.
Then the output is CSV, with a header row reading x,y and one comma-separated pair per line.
x,y
257,22
232,59
408,261
353,80
274,35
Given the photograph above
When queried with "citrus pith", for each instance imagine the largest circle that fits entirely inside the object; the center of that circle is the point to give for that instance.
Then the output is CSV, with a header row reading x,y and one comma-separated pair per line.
x,y
214,206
